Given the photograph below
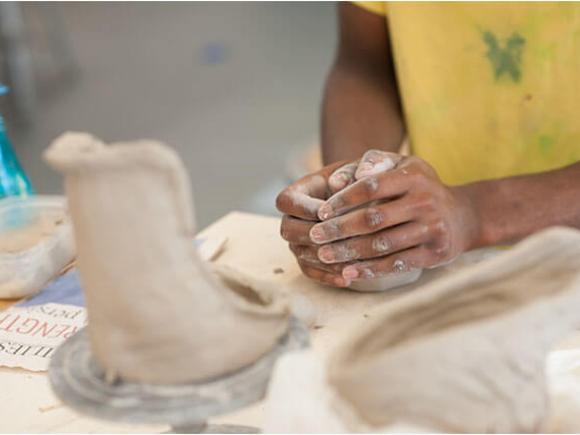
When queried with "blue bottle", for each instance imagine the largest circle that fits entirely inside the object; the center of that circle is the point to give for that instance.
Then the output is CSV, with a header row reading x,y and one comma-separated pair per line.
x,y
13,179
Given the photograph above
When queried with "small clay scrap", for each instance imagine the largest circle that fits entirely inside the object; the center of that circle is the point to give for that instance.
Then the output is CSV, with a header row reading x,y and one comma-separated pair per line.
x,y
466,353
156,313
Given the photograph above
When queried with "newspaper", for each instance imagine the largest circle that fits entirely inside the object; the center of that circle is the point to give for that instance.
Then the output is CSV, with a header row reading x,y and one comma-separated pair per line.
x,y
29,335
31,331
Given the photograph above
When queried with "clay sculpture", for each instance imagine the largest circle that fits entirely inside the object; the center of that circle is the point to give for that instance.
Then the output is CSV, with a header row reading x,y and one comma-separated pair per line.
x,y
156,313
466,353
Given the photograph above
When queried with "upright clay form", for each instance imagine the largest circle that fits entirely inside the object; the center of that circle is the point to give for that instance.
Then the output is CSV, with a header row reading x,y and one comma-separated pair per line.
x,y
467,353
156,313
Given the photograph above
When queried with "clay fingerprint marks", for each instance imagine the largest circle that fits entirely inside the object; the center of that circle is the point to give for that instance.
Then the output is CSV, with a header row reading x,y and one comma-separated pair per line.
x,y
467,352
155,310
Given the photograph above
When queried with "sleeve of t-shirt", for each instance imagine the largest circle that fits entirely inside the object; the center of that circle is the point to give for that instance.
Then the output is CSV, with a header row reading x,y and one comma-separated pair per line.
x,y
379,8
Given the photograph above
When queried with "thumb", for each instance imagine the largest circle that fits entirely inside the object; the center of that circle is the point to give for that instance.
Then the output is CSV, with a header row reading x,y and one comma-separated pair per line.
x,y
376,161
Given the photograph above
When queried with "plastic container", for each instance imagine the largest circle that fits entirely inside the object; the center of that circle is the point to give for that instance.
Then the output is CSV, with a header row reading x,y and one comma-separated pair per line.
x,y
13,179
36,243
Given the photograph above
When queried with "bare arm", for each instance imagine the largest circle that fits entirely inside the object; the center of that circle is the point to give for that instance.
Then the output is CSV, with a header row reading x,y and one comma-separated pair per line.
x,y
361,107
512,208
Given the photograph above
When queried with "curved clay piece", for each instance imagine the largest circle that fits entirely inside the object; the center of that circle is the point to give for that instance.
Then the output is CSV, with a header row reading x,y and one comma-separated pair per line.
x,y
467,353
156,314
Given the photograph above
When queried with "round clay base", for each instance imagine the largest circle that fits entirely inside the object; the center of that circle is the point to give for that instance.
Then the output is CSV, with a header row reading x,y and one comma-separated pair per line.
x,y
80,383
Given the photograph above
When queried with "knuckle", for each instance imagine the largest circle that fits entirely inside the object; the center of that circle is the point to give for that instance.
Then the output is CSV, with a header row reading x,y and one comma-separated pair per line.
x,y
382,243
419,177
308,256
373,217
371,186
333,228
400,266
420,172
367,272
347,251
425,202
442,250
440,229
424,229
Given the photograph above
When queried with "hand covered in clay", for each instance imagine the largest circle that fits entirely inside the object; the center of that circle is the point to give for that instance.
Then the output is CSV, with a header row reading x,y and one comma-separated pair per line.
x,y
396,216
300,203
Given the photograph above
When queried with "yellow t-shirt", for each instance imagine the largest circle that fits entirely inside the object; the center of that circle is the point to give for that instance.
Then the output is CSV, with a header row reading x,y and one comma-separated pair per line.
x,y
489,90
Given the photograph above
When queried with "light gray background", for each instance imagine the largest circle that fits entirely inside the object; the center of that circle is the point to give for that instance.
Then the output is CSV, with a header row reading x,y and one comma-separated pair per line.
x,y
235,87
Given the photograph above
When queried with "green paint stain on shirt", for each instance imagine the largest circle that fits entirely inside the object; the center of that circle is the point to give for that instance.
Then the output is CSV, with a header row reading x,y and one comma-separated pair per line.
x,y
546,143
506,57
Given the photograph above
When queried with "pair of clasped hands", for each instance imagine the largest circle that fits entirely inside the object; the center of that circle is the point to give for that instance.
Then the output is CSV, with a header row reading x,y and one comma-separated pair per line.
x,y
381,214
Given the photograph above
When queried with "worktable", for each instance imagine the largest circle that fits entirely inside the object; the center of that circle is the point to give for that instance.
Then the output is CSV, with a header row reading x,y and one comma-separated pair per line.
x,y
254,247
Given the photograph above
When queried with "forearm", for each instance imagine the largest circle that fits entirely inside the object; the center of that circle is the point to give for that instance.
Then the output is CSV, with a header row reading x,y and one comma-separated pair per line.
x,y
361,108
510,209
359,113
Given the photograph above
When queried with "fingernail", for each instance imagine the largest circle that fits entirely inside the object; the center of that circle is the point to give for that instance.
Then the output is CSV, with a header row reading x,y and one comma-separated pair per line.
x,y
349,273
381,244
325,212
317,234
326,254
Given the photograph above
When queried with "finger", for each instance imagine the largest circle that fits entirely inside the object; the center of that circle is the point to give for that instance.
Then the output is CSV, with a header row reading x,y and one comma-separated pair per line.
x,y
296,230
308,255
335,280
298,204
305,253
379,244
342,177
415,258
304,197
375,161
365,220
386,185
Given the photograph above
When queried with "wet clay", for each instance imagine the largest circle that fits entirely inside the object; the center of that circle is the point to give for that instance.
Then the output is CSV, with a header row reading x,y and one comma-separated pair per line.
x,y
156,313
466,353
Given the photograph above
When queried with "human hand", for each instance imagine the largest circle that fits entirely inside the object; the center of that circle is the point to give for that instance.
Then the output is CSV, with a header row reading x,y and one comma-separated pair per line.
x,y
300,203
393,221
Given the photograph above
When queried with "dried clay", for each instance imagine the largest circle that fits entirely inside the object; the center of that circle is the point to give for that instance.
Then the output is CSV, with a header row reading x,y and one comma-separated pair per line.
x,y
466,353
156,313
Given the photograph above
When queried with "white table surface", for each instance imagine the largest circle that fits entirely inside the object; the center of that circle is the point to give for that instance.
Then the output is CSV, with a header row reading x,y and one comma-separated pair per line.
x,y
254,246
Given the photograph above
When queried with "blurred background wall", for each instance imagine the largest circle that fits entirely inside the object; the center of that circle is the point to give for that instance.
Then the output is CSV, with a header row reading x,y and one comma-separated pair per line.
x,y
235,87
